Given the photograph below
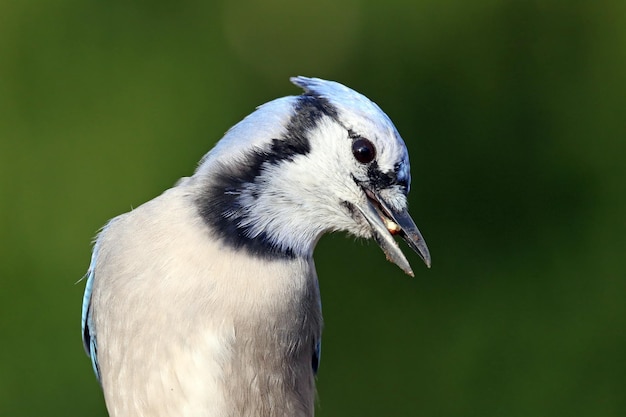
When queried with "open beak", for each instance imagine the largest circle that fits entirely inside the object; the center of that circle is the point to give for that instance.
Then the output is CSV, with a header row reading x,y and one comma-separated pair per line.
x,y
385,223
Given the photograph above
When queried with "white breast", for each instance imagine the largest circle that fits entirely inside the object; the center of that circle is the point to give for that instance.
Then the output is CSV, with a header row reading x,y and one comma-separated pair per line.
x,y
186,324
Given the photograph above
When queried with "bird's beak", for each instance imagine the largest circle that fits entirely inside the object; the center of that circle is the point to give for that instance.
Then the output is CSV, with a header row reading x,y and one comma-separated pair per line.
x,y
385,223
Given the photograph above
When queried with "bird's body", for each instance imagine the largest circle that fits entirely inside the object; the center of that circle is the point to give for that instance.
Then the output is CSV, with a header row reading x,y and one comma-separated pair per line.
x,y
204,301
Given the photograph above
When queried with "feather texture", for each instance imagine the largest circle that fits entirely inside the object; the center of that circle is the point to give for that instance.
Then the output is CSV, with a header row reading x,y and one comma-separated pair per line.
x,y
204,301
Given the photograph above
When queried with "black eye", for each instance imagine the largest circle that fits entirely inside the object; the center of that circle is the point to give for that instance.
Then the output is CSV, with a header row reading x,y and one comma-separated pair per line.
x,y
363,150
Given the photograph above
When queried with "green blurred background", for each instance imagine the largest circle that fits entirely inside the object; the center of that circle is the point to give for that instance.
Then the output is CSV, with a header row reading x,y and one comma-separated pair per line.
x,y
514,114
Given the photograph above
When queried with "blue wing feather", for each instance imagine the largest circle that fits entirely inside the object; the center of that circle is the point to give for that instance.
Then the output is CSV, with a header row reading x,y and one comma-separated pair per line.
x,y
317,355
89,336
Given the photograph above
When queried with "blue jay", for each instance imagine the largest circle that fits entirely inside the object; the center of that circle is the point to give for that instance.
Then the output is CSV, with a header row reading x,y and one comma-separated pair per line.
x,y
204,301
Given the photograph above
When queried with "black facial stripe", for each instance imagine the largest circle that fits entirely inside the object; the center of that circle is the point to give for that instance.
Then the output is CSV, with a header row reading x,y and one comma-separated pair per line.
x,y
348,205
220,205
378,179
308,112
353,135
318,102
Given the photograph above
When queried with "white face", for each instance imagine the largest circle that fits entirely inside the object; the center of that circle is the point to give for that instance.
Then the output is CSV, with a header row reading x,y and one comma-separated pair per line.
x,y
299,167
320,191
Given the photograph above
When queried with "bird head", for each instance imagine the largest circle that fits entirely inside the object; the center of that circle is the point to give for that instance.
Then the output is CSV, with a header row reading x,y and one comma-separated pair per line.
x,y
298,167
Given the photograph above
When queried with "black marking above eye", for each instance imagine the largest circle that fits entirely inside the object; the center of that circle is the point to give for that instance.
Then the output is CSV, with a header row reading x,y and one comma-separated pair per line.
x,y
363,150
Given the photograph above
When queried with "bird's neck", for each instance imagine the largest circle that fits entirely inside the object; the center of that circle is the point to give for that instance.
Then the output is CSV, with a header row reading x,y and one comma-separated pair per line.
x,y
264,187
268,217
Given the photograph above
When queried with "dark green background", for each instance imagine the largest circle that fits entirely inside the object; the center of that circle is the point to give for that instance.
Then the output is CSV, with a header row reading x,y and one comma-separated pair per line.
x,y
514,115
